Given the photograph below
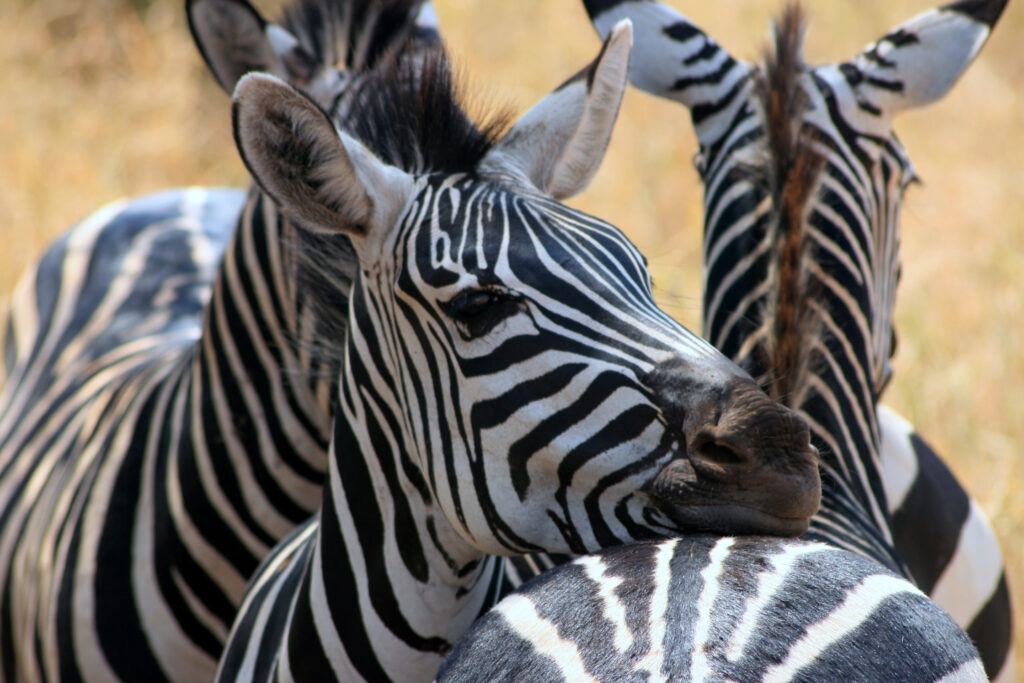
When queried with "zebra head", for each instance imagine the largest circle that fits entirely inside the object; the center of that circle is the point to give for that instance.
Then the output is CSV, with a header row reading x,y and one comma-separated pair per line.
x,y
849,110
505,366
319,47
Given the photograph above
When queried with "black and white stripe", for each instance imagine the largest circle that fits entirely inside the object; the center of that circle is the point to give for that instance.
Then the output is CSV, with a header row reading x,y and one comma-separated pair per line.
x,y
508,383
704,608
166,413
153,443
903,487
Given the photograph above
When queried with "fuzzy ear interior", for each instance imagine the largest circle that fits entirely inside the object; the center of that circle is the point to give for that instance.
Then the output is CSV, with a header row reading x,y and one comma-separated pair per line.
x,y
918,62
235,40
323,179
559,144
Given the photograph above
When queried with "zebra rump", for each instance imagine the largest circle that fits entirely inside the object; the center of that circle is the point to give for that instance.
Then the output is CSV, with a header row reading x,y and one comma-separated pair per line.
x,y
709,608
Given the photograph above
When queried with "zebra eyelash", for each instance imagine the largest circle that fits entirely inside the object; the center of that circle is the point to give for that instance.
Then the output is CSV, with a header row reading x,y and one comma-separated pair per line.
x,y
477,311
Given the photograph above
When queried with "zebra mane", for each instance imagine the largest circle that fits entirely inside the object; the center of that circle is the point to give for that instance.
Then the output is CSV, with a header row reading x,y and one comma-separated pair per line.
x,y
354,34
402,102
409,112
791,321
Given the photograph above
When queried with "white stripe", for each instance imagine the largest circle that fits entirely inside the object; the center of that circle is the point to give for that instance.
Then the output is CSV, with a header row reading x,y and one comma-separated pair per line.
x,y
973,572
699,668
522,617
654,660
968,671
861,602
768,586
899,462
614,611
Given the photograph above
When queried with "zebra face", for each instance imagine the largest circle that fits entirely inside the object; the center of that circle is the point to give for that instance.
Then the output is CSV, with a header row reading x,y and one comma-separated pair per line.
x,y
576,414
506,366
850,110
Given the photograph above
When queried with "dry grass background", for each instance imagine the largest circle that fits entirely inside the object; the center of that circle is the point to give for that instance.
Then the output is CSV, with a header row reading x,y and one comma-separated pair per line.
x,y
108,98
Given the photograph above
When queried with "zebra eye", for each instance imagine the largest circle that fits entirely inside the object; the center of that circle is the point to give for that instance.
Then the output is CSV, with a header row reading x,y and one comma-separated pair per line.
x,y
477,311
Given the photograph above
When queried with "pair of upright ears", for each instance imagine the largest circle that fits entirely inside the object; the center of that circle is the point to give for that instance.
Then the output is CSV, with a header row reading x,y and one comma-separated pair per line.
x,y
913,65
328,181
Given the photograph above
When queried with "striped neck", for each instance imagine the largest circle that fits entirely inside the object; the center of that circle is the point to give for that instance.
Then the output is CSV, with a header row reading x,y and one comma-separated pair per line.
x,y
846,268
387,586
250,413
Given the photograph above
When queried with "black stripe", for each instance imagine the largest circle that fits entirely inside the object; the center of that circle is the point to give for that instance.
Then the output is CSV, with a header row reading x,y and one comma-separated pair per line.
x,y
985,11
992,629
118,629
936,506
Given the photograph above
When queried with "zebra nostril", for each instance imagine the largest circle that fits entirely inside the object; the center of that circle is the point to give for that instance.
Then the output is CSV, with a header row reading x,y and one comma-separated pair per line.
x,y
718,459
721,453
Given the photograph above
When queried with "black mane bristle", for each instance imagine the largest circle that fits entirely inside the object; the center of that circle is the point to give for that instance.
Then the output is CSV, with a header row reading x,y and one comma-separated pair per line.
x,y
408,111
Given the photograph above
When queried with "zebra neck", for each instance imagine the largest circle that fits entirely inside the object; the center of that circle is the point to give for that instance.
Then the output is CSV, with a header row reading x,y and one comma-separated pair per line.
x,y
252,369
389,587
245,451
836,394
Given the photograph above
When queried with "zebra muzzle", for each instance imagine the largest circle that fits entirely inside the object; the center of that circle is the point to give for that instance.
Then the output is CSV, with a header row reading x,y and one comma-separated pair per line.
x,y
748,468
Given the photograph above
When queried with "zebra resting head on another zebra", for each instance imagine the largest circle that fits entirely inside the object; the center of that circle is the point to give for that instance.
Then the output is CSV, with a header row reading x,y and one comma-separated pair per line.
x,y
518,338
508,384
756,609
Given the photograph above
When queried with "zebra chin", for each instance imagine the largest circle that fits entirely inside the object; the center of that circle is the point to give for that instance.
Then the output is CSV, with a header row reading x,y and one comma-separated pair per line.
x,y
731,519
776,503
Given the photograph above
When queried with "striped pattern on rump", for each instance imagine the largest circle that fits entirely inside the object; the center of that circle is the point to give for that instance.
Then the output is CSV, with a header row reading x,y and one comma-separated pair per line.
x,y
699,607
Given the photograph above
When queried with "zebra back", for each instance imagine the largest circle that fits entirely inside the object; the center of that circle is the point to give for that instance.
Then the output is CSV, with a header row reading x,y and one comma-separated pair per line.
x,y
710,608
166,416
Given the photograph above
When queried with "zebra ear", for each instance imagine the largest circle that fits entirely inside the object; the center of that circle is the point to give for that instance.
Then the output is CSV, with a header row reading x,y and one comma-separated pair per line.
x,y
426,26
918,62
672,58
234,40
323,179
558,144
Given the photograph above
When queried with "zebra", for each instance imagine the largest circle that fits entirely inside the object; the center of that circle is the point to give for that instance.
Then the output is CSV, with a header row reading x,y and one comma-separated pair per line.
x,y
716,608
508,385
958,562
166,416
753,609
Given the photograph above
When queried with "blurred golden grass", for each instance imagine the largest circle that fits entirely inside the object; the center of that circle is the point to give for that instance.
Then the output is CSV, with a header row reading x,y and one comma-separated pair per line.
x,y
109,98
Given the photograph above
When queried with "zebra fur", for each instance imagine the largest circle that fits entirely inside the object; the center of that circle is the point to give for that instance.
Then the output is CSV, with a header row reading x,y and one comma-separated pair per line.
x,y
716,608
503,386
867,170
166,413
753,609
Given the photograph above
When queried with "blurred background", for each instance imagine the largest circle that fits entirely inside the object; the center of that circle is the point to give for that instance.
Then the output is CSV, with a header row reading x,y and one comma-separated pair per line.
x,y
109,98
